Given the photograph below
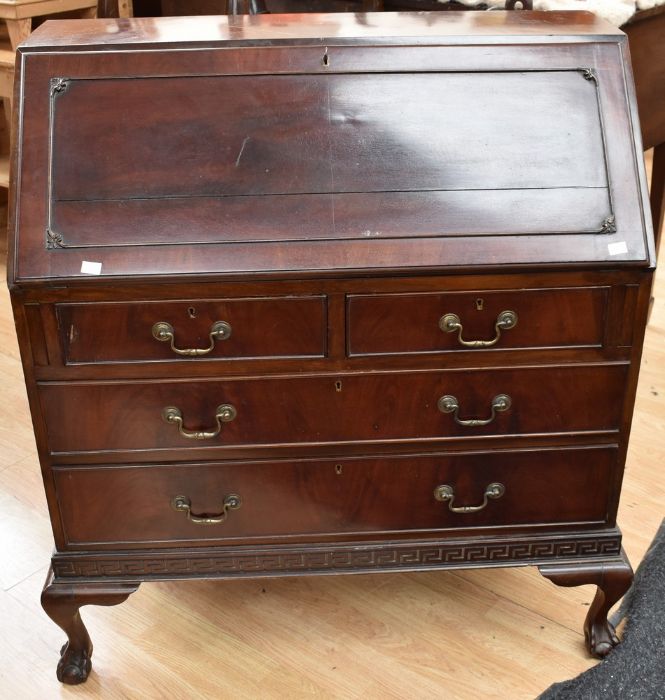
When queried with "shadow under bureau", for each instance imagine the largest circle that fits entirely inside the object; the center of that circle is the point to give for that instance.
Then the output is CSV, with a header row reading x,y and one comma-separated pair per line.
x,y
328,293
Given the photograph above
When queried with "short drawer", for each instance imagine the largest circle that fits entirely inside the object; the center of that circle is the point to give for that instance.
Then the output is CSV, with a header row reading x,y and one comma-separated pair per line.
x,y
479,320
162,504
195,329
152,415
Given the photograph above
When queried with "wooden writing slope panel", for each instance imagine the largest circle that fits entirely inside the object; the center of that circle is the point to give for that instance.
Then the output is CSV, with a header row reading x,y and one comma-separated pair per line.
x,y
406,151
292,154
329,293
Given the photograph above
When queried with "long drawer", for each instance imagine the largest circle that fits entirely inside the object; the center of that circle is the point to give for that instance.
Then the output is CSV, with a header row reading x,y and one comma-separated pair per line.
x,y
194,329
480,320
160,504
98,416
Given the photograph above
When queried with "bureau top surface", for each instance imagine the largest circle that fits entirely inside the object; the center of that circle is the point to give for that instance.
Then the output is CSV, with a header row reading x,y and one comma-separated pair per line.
x,y
325,144
384,27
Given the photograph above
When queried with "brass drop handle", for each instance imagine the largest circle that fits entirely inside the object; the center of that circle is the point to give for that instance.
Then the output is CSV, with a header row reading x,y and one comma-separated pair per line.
x,y
449,404
183,505
447,493
449,323
163,331
224,413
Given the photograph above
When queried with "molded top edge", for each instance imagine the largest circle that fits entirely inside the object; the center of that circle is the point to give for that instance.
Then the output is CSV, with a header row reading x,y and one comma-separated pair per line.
x,y
388,27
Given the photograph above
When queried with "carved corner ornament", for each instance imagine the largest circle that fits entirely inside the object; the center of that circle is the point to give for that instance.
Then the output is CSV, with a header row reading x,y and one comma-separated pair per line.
x,y
58,85
589,74
54,240
609,225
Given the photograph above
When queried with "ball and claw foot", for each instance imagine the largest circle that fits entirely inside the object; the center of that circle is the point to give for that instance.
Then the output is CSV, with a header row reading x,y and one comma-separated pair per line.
x,y
61,602
601,639
613,578
74,665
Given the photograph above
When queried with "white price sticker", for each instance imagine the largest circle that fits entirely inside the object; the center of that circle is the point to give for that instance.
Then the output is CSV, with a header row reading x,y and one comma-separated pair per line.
x,y
91,268
617,248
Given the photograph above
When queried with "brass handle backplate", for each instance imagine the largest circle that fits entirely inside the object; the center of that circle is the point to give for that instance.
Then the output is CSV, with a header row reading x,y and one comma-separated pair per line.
x,y
449,323
183,505
224,413
449,404
163,331
447,493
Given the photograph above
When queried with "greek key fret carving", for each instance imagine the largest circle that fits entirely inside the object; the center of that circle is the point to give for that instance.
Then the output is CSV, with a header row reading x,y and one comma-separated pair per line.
x,y
400,556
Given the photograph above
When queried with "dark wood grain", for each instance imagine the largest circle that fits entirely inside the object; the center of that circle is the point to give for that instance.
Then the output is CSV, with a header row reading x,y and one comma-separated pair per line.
x,y
545,27
291,135
260,327
61,602
373,178
330,186
657,192
612,580
326,217
332,497
114,416
409,323
353,158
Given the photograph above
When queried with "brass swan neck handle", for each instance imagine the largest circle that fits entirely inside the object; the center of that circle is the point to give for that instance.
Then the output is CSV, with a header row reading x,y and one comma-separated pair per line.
x,y
224,414
182,504
449,404
447,493
163,331
449,323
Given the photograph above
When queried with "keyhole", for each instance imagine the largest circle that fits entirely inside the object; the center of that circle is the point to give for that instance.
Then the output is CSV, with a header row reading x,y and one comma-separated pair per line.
x,y
326,60
338,386
479,304
191,312
338,469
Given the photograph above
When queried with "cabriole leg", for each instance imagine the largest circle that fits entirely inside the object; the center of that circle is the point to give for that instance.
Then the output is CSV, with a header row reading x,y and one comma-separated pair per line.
x,y
62,601
613,578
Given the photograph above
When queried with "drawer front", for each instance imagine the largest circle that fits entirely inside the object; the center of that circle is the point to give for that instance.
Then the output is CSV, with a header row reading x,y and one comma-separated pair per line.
x,y
89,416
326,497
191,330
453,321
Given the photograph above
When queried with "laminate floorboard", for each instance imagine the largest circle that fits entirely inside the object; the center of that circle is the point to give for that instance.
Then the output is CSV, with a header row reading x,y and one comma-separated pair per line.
x,y
502,633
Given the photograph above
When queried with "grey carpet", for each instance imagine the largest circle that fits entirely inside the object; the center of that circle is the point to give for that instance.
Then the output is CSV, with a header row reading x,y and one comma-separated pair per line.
x,y
635,670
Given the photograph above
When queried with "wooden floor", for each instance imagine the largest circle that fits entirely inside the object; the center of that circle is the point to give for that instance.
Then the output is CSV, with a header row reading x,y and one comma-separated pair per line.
x,y
503,634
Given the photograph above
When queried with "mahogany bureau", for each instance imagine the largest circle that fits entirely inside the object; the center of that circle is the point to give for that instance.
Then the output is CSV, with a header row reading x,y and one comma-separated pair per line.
x,y
320,294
